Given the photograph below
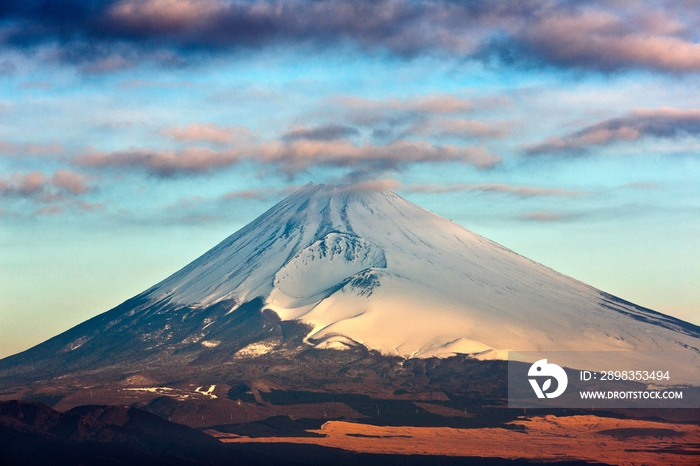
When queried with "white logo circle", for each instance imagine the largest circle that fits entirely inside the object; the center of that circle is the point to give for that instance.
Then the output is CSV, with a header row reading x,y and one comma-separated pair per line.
x,y
542,369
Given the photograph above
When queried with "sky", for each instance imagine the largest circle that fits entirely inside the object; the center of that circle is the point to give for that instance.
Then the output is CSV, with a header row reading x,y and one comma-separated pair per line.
x,y
137,134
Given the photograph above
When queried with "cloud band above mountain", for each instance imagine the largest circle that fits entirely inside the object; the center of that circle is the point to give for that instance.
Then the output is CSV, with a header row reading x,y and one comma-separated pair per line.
x,y
107,35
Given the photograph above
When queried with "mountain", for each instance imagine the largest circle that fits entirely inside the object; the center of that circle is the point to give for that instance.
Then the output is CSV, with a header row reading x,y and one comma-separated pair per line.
x,y
340,268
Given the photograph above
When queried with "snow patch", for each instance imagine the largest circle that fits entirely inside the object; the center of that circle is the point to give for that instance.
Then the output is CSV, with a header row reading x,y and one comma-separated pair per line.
x,y
160,390
257,349
76,344
209,392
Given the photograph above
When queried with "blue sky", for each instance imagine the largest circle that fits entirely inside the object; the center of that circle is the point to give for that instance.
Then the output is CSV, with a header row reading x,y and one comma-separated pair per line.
x,y
135,135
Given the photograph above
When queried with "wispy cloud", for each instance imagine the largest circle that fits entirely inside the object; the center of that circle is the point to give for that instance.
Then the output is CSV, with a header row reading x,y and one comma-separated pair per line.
x,y
209,132
457,128
192,160
321,133
644,122
435,116
520,191
21,149
290,157
299,155
42,187
42,85
368,112
542,216
260,194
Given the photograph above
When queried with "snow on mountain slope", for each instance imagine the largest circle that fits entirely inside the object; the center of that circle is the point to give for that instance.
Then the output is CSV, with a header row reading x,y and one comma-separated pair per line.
x,y
372,268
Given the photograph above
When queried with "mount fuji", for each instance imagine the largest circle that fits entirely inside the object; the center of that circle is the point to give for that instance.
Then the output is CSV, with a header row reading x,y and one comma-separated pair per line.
x,y
341,268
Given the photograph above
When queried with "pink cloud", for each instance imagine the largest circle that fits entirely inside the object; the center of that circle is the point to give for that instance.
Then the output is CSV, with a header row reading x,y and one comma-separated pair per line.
x,y
44,188
661,122
70,181
292,157
210,132
21,184
602,39
299,155
162,16
545,216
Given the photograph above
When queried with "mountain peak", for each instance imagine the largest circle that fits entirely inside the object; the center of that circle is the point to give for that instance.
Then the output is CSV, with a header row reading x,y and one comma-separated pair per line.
x,y
361,266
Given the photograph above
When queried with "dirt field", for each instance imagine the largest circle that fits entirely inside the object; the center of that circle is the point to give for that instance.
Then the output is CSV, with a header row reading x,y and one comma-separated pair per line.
x,y
612,441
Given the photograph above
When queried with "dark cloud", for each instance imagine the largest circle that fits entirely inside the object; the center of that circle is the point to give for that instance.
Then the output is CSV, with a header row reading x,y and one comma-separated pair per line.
x,y
321,133
658,123
108,35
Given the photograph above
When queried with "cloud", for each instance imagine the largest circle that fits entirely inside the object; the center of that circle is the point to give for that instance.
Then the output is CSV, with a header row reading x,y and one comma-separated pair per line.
x,y
599,39
88,206
42,85
7,68
377,185
260,194
366,112
436,115
49,210
644,122
457,128
70,181
545,216
151,17
641,185
520,191
290,158
14,150
321,133
44,188
191,160
209,132
23,185
110,35
299,155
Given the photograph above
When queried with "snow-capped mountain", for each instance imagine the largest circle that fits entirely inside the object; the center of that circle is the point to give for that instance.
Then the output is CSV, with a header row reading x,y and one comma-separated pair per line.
x,y
361,267
373,268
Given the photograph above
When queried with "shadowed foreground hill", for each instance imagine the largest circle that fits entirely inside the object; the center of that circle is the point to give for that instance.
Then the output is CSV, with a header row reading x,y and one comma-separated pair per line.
x,y
32,434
